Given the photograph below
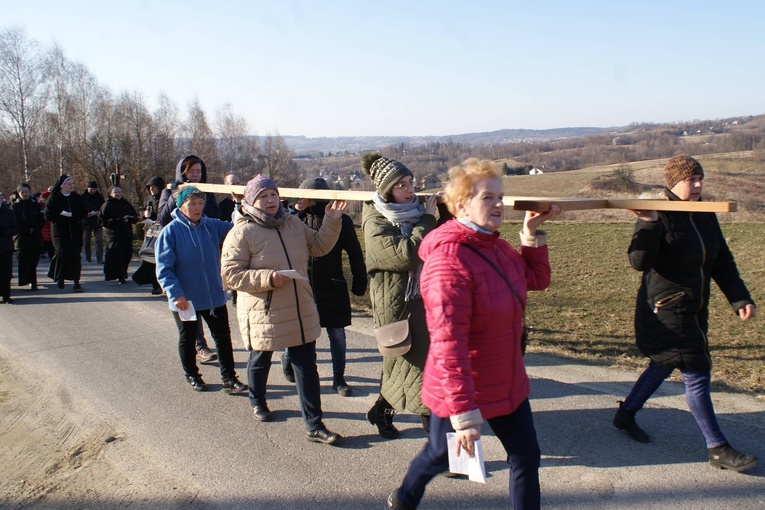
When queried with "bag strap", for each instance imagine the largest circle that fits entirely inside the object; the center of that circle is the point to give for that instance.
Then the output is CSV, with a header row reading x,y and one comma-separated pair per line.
x,y
500,273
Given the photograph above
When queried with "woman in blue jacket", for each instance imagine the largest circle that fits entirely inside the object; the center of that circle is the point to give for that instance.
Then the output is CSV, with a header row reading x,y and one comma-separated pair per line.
x,y
188,268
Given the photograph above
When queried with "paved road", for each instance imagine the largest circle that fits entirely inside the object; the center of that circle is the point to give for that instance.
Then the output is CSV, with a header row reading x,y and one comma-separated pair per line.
x,y
115,349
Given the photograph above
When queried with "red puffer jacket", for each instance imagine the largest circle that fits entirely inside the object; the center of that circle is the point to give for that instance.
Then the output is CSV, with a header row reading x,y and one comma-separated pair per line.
x,y
476,322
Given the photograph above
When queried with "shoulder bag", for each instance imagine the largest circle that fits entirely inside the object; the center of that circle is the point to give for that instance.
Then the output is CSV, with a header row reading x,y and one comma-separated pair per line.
x,y
149,241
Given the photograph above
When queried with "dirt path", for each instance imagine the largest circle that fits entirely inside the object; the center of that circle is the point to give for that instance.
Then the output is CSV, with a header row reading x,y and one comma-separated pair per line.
x,y
55,453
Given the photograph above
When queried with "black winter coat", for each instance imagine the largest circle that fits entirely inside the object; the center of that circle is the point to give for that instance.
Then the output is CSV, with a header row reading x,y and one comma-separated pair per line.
x,y
9,227
31,221
92,202
112,218
325,273
66,229
680,255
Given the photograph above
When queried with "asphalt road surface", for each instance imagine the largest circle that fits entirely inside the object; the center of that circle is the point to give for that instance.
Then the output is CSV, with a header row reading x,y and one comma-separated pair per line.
x,y
112,351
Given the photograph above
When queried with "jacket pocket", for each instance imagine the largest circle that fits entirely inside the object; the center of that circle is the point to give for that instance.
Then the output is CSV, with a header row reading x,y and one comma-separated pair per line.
x,y
666,301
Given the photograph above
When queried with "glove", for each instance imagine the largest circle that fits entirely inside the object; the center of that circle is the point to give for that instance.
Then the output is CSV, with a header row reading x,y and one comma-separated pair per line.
x,y
359,287
66,214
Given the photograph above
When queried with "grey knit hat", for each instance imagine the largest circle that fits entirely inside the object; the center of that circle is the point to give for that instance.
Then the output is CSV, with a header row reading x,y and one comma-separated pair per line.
x,y
680,168
256,185
384,172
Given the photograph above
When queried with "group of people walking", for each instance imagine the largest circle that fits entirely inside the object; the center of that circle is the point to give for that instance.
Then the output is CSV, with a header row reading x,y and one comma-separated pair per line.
x,y
460,288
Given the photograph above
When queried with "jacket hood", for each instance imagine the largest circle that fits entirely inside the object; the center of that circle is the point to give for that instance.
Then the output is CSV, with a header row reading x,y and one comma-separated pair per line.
x,y
454,232
159,181
179,174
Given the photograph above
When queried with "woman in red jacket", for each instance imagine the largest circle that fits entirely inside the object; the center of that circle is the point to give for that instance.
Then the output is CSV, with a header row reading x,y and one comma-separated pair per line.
x,y
474,288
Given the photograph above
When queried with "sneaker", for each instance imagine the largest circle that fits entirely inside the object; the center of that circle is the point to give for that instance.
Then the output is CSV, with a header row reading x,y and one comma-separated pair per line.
x,y
206,355
323,436
262,413
727,457
234,386
196,382
287,370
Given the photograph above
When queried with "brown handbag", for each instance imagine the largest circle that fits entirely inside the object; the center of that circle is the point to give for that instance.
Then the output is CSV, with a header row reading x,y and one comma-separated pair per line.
x,y
394,339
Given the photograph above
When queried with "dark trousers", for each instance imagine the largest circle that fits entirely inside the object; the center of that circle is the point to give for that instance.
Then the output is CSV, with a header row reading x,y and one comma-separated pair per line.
x,y
6,273
337,348
217,321
303,359
97,233
519,438
697,395
28,260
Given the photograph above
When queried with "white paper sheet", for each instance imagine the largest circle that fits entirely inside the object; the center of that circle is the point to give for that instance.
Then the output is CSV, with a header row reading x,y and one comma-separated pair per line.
x,y
473,467
189,314
291,273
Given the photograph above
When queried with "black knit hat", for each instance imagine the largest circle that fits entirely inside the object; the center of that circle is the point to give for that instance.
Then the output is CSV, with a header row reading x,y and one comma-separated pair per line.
x,y
314,183
384,172
92,184
681,168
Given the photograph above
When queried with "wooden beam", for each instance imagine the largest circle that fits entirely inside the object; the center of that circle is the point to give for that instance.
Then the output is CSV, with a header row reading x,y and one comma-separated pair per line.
x,y
518,203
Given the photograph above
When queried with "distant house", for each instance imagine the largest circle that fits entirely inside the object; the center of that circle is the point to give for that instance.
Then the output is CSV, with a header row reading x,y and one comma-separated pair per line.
x,y
535,171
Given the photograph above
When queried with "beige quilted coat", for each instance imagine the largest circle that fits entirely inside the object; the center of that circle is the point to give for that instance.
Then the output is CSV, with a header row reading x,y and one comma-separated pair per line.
x,y
271,319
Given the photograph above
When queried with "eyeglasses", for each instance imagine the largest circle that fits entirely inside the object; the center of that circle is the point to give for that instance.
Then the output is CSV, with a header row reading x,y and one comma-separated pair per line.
x,y
403,185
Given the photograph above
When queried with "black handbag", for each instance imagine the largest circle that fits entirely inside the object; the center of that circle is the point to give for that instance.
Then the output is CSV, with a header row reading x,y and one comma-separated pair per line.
x,y
525,334
149,241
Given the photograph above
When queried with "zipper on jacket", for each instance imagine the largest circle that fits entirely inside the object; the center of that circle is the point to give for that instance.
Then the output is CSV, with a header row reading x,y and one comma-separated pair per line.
x,y
268,300
667,301
701,288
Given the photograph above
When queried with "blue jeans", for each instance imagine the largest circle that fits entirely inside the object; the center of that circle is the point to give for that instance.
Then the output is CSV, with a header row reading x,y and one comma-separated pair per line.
x,y
697,395
337,348
519,438
303,359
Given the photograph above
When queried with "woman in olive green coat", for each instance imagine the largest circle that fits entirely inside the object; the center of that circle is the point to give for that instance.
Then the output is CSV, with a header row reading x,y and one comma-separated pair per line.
x,y
394,224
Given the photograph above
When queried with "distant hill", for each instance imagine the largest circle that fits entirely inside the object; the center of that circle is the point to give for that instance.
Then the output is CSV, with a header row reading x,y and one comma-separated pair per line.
x,y
357,144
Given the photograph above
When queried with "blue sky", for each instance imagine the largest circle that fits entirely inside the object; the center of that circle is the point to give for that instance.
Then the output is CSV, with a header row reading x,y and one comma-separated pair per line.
x,y
336,68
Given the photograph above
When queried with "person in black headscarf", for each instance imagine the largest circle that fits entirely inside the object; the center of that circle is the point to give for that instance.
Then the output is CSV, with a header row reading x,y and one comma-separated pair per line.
x,y
28,241
117,216
65,210
146,272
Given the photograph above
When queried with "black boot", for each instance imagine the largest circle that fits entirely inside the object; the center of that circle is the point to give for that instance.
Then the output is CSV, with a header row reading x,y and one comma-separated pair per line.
x,y
727,457
381,415
624,419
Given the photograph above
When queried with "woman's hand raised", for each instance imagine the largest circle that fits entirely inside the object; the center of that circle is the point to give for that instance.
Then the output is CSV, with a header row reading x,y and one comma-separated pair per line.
x,y
335,209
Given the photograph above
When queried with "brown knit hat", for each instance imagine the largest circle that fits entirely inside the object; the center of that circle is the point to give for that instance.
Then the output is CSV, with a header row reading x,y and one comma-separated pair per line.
x,y
384,172
680,168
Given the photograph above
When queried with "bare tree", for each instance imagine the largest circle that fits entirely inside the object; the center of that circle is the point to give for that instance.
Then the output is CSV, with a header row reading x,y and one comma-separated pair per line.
x,y
200,140
278,161
238,151
23,89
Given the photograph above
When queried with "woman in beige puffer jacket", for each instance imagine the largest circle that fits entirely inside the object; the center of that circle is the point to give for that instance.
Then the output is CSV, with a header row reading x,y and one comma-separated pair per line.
x,y
274,311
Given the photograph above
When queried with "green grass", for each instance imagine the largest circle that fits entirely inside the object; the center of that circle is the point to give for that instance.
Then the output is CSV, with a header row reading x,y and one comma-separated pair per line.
x,y
587,313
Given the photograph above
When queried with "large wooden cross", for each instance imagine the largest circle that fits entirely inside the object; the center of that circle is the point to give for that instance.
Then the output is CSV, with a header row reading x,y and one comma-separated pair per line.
x,y
517,203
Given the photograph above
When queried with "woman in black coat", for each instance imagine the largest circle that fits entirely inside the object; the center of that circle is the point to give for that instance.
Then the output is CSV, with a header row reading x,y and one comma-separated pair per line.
x,y
146,272
117,216
9,227
28,241
330,289
680,253
65,210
